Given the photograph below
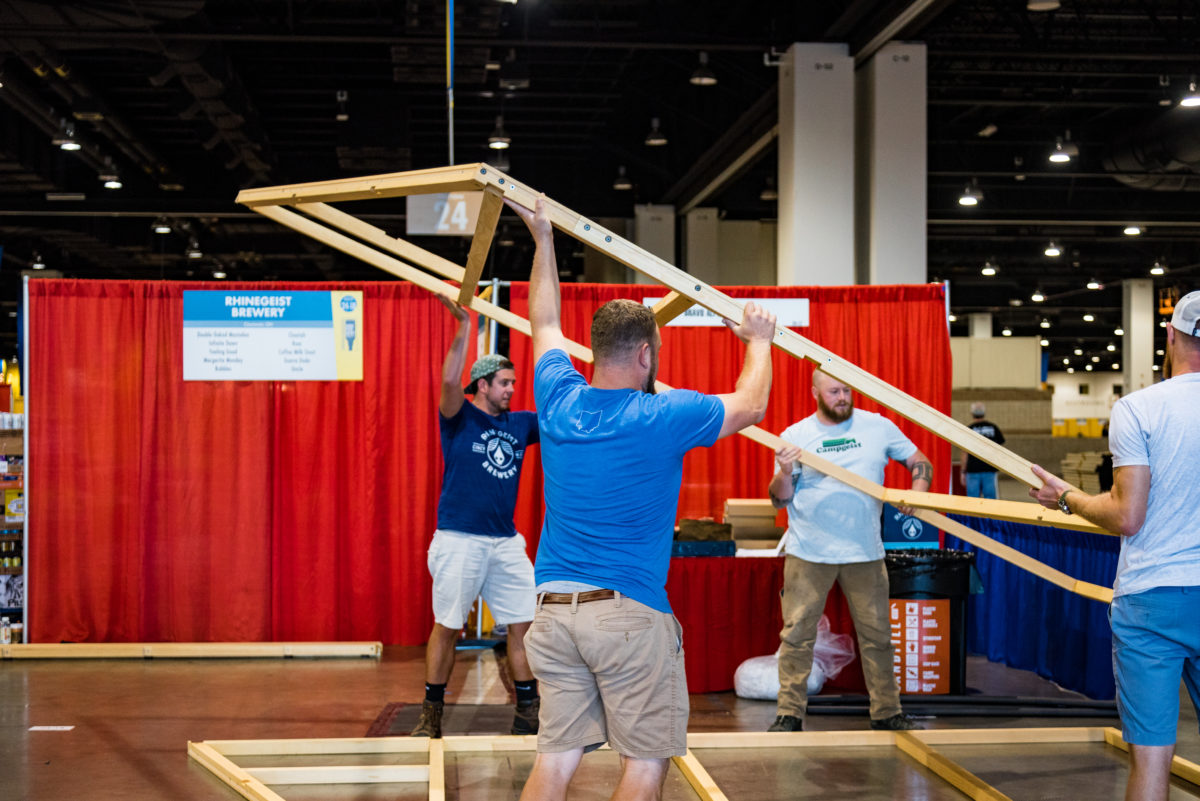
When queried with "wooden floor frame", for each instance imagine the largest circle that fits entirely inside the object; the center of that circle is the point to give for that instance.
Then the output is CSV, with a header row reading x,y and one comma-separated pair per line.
x,y
306,209
255,783
191,650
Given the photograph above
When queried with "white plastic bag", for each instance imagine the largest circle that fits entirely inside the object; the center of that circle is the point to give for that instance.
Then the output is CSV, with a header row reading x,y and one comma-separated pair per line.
x,y
758,677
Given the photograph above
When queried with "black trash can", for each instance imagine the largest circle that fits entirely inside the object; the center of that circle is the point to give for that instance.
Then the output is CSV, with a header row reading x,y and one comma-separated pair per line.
x,y
930,638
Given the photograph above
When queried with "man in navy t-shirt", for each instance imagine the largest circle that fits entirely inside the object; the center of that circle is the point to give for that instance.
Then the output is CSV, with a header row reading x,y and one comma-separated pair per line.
x,y
604,645
476,549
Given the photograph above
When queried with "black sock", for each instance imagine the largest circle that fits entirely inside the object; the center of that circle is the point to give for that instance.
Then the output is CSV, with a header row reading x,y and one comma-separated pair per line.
x,y
435,692
526,691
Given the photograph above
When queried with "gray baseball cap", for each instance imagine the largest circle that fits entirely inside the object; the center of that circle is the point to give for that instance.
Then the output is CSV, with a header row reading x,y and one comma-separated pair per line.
x,y
1187,314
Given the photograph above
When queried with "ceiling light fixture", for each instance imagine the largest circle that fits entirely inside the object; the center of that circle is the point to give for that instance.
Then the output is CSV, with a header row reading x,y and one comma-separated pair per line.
x,y
1095,359
953,318
1133,230
703,76
1070,369
1089,318
1037,296
1066,361
1158,352
1120,332
971,196
161,226
1006,332
1088,368
1045,343
655,138
1164,83
1052,249
1116,366
769,194
989,269
1094,284
1064,149
622,183
110,180
1079,351
193,249
499,139
987,131
1110,347
1158,269
37,263
1191,98
343,114
218,274
66,139
1045,323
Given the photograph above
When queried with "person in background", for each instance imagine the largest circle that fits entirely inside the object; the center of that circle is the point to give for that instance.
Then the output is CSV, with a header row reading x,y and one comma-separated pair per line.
x,y
834,534
604,644
1154,436
980,476
476,548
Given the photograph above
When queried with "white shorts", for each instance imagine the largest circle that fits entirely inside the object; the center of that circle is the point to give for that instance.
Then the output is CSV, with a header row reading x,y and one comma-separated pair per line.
x,y
466,565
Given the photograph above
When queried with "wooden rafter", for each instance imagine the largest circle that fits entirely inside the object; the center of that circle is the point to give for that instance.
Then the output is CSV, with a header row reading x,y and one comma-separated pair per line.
x,y
685,291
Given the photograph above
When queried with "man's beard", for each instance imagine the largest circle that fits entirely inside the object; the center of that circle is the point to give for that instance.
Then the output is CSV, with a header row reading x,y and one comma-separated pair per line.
x,y
833,414
652,377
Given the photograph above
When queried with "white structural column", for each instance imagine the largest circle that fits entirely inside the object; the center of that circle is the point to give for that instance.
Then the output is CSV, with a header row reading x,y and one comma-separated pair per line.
x,y
816,166
654,230
891,157
980,325
701,245
1137,346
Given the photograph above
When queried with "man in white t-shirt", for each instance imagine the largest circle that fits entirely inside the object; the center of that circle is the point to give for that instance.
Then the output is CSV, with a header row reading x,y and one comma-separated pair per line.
x,y
834,535
1154,436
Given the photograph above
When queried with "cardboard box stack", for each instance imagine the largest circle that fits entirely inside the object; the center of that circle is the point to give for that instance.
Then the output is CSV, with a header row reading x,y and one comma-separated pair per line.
x,y
753,522
1079,469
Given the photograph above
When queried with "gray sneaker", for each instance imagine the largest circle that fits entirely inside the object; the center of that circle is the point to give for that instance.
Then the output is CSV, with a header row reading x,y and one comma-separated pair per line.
x,y
430,724
897,722
525,720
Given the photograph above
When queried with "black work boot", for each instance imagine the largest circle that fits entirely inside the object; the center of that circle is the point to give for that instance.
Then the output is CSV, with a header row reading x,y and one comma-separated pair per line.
x,y
430,724
525,721
787,723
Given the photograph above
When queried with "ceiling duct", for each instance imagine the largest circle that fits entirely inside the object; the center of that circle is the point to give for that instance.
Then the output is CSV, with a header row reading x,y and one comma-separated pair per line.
x,y
1166,152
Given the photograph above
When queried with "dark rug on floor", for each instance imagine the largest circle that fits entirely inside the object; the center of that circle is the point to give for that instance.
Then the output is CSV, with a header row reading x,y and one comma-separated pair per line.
x,y
399,719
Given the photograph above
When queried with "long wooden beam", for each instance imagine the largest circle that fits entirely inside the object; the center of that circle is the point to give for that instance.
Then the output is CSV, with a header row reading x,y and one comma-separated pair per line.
x,y
670,307
341,774
481,242
369,187
237,778
962,779
698,777
189,650
1014,511
380,239
721,304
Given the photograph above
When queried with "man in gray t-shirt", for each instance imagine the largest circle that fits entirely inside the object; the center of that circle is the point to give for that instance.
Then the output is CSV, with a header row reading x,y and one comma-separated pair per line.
x,y
1154,436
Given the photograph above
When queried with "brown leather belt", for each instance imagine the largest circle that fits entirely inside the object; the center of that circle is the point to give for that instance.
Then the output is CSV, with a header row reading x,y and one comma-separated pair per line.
x,y
584,597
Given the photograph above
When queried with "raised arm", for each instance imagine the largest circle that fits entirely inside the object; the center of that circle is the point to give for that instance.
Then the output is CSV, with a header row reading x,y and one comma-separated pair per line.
x,y
747,404
545,305
452,397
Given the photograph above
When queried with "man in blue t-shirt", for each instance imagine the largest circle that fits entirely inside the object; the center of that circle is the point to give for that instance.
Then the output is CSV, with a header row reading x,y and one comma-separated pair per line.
x,y
476,549
604,645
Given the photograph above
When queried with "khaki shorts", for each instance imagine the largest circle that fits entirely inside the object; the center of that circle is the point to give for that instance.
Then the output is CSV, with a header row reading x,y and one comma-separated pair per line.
x,y
464,566
612,671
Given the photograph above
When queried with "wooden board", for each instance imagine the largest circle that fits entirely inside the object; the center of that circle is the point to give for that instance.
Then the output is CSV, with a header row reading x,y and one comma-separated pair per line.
x,y
190,650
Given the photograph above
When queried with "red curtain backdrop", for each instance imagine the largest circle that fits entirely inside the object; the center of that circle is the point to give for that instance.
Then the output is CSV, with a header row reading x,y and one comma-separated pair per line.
x,y
161,510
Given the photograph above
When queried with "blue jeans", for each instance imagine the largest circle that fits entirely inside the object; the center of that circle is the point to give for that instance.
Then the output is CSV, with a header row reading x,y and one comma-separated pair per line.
x,y
981,485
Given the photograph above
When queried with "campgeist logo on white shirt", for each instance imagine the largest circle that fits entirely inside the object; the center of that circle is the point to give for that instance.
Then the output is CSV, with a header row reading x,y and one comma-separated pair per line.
x,y
503,456
838,445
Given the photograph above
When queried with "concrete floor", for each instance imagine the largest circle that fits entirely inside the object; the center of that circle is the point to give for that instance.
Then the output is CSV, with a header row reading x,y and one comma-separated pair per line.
x,y
132,721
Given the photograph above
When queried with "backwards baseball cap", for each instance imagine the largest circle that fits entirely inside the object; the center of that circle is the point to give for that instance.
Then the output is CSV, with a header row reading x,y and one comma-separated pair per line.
x,y
486,365
1187,314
